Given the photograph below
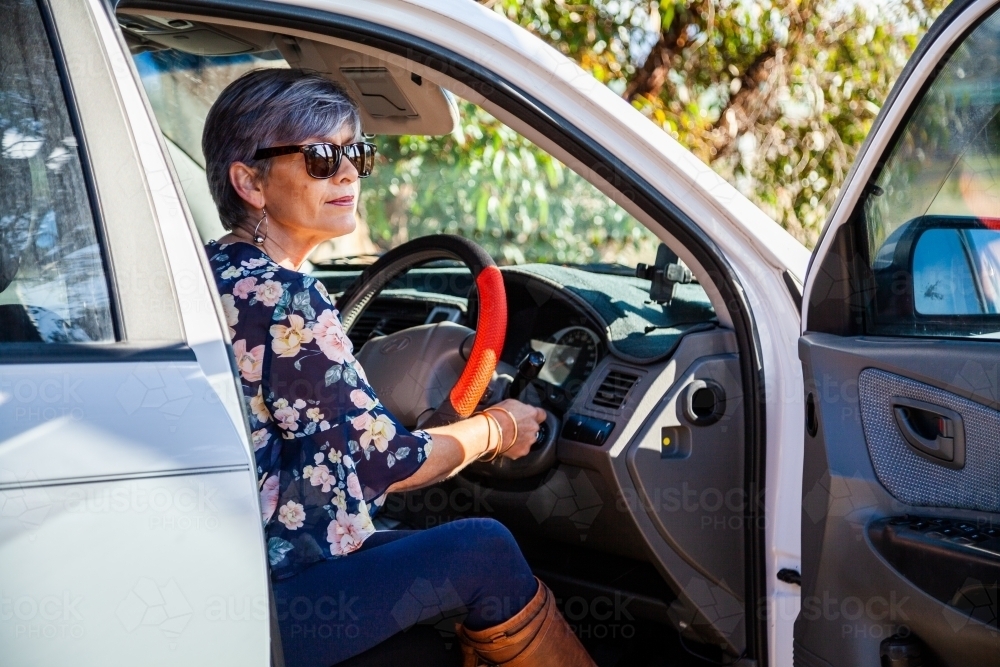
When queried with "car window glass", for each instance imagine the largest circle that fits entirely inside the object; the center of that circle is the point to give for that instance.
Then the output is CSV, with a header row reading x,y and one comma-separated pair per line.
x,y
484,180
53,286
947,160
181,88
491,184
930,213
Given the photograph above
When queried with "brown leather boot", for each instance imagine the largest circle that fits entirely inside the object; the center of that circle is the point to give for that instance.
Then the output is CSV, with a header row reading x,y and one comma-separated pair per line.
x,y
537,636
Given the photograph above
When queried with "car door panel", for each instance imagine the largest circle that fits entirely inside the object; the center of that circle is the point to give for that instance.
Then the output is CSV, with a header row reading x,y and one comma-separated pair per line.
x,y
901,476
859,584
689,476
137,570
910,471
94,420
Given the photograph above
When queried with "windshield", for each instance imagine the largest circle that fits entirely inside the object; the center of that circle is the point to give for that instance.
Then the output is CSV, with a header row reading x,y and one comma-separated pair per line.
x,y
483,181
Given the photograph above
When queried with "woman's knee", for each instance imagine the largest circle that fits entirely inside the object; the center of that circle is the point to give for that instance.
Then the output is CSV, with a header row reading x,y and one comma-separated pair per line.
x,y
479,537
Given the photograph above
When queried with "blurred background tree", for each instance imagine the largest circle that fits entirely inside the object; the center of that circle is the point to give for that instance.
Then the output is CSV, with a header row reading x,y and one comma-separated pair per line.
x,y
490,184
776,95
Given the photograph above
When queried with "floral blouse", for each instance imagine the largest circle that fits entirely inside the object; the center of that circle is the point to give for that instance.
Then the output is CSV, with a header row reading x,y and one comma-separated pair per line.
x,y
326,449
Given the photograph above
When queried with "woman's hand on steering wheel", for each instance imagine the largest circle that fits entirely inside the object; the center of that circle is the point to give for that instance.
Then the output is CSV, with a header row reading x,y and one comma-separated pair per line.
x,y
529,419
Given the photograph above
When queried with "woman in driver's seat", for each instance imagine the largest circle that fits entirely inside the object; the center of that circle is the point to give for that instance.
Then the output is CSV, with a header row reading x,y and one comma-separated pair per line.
x,y
283,158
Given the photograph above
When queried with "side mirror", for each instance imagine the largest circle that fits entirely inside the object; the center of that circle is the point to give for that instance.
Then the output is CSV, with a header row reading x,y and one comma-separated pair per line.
x,y
956,271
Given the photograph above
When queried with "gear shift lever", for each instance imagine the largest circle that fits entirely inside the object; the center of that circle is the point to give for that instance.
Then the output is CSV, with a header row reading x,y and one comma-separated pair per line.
x,y
527,370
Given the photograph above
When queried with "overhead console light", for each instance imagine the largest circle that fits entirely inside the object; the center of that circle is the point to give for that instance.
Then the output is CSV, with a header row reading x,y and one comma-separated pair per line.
x,y
377,91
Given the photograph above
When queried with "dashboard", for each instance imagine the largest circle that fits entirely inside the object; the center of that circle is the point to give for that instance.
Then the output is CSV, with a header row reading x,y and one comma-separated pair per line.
x,y
576,318
614,359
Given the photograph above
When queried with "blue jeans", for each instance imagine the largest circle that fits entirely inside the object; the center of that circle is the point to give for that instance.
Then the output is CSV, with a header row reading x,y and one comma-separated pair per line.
x,y
469,571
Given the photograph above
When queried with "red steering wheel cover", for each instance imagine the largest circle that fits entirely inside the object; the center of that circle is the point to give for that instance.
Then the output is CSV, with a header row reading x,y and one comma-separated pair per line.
x,y
490,332
491,326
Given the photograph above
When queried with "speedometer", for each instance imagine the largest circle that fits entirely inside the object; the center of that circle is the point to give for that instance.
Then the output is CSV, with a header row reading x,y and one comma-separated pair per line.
x,y
571,359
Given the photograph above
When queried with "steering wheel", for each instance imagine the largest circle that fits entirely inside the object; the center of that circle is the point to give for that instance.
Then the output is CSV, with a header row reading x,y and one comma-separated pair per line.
x,y
411,369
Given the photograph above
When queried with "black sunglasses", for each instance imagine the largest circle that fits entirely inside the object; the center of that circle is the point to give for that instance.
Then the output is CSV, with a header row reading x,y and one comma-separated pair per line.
x,y
323,160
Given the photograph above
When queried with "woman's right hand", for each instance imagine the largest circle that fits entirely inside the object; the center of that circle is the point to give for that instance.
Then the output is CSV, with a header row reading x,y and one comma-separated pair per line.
x,y
529,419
458,444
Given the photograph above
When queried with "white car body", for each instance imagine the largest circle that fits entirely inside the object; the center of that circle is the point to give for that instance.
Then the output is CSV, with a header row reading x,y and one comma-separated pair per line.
x,y
77,489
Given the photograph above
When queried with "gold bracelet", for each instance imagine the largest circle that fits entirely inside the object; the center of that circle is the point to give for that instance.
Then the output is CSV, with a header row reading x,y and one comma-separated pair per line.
x,y
514,421
496,450
491,420
489,435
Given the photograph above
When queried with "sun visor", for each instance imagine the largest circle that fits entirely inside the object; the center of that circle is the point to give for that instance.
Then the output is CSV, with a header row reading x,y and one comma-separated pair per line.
x,y
376,90
189,37
392,100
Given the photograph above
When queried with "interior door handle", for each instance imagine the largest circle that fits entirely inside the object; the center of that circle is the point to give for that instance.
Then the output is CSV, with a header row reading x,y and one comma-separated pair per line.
x,y
934,432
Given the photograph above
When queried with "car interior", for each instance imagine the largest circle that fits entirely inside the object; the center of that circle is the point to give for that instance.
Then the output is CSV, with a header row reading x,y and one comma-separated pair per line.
x,y
632,508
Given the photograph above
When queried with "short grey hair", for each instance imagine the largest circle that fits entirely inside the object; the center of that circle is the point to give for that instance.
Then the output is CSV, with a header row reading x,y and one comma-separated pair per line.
x,y
264,108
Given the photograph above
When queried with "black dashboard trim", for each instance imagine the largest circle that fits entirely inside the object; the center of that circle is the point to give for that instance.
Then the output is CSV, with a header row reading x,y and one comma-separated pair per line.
x,y
599,321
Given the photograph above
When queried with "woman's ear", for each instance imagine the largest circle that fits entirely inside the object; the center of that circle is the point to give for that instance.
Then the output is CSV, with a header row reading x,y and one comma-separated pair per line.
x,y
247,185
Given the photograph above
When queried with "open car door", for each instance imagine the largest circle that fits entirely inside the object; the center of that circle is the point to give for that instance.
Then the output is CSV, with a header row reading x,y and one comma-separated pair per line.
x,y
901,362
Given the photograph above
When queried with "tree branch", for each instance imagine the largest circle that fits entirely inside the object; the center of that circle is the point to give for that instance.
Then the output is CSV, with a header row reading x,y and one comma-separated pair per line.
x,y
652,75
743,108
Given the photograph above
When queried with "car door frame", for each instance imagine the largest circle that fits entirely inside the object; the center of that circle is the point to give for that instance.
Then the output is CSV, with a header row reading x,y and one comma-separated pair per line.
x,y
755,283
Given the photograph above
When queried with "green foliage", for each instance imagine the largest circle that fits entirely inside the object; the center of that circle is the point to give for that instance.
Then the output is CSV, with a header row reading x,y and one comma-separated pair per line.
x,y
777,95
487,182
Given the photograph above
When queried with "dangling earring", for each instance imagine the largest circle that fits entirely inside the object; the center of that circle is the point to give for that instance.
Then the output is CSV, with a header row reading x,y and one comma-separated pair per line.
x,y
257,238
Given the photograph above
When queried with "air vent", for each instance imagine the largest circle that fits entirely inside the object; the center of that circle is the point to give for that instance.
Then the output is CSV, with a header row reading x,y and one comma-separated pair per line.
x,y
614,390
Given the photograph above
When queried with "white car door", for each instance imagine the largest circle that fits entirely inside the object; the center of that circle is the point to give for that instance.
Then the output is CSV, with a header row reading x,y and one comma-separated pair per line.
x,y
901,486
129,520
